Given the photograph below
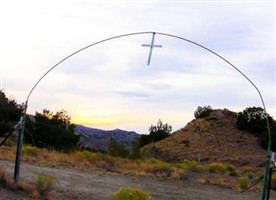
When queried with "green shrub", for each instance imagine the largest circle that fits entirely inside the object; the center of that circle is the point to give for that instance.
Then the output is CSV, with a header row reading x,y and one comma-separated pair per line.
x,y
162,167
192,166
217,167
131,194
86,155
231,169
243,181
8,143
202,111
30,150
43,183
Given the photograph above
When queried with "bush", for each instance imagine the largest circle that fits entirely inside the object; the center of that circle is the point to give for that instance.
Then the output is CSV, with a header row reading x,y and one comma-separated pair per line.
x,y
5,180
202,111
217,167
192,166
253,120
243,181
31,151
43,183
8,143
131,194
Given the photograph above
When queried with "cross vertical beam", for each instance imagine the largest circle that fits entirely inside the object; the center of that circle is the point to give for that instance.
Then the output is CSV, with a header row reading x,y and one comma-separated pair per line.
x,y
151,47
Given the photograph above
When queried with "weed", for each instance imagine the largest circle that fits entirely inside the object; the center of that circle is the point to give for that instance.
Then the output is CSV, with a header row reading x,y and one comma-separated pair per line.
x,y
192,166
217,167
201,180
8,142
43,183
5,180
218,181
246,170
162,168
131,194
30,150
243,181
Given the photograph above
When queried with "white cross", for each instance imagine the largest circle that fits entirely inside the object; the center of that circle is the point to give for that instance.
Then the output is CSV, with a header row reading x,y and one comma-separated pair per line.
x,y
151,47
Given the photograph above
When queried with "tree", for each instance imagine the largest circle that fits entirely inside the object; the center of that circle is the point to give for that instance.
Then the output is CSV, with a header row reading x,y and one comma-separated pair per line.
x,y
135,149
10,113
202,111
117,149
50,130
158,132
253,120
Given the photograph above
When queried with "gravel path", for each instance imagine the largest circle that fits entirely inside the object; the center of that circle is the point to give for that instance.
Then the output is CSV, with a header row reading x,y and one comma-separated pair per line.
x,y
71,184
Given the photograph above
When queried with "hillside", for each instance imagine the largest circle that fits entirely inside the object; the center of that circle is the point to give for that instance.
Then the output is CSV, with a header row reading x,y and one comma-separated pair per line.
x,y
211,139
98,140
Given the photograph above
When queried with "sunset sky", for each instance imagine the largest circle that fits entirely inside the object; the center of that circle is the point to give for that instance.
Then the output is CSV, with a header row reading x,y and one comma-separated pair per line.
x,y
109,85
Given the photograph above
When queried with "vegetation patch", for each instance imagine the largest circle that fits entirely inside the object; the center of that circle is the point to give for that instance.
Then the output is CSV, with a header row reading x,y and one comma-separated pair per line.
x,y
192,166
30,150
131,194
5,179
243,181
43,183
217,168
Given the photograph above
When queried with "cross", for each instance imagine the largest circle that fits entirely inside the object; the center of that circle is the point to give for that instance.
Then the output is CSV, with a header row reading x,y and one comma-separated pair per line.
x,y
151,47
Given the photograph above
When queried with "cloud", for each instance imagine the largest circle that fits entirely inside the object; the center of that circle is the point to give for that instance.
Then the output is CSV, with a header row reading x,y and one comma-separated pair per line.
x,y
113,78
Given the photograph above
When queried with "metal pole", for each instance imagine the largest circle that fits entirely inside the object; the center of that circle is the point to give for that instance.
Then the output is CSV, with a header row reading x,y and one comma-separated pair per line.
x,y
19,147
269,184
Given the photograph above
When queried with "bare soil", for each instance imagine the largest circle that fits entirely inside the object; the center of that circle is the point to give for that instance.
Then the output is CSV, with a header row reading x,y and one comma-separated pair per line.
x,y
72,184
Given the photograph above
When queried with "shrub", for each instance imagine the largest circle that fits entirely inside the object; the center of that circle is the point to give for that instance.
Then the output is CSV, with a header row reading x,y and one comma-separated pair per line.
x,y
8,143
162,167
29,150
217,167
202,111
131,194
243,181
273,182
5,180
43,183
86,155
253,120
192,166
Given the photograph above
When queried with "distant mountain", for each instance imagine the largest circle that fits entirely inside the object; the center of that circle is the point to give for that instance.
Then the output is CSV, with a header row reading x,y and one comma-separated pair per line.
x,y
98,140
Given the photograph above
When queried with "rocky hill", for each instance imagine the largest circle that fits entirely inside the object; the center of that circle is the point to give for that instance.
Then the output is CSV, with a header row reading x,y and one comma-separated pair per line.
x,y
211,139
98,140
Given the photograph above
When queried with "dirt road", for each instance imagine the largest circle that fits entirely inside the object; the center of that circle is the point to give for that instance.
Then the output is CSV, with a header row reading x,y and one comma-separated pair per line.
x,y
71,184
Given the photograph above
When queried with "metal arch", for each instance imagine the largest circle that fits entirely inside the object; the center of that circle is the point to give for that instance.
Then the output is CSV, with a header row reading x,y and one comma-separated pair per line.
x,y
160,33
149,32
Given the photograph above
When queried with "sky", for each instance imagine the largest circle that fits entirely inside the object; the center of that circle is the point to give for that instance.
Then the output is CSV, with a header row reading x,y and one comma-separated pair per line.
x,y
110,85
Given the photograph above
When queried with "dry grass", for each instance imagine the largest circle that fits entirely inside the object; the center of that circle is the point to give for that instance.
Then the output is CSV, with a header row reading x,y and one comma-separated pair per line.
x,y
5,180
103,163
34,190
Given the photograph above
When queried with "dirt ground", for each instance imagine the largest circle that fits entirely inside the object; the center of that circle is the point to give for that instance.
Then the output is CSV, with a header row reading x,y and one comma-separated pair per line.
x,y
71,184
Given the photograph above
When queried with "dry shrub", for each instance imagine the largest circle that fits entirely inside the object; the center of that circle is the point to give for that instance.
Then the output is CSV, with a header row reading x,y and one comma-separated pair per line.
x,y
5,179
201,180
